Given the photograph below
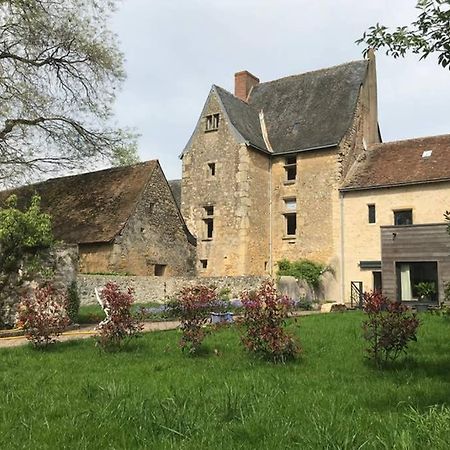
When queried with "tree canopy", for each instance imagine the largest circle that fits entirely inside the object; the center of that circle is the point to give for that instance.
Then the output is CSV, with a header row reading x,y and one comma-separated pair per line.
x,y
60,69
429,34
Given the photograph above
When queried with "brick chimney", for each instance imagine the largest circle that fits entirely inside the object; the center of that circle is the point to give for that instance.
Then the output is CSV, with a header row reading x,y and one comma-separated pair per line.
x,y
243,83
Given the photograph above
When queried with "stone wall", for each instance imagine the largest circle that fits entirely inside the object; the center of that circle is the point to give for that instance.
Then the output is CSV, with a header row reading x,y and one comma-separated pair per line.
x,y
58,264
159,289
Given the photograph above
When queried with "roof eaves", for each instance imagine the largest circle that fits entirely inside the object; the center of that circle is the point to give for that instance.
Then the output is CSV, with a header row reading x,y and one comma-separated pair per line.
x,y
389,185
308,149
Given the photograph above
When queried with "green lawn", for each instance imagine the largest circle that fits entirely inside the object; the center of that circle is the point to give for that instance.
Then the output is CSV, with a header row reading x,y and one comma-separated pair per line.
x,y
154,397
93,314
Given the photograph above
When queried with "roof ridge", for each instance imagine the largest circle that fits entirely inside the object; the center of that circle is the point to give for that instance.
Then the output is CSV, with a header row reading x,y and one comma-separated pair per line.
x,y
401,141
237,98
311,71
114,168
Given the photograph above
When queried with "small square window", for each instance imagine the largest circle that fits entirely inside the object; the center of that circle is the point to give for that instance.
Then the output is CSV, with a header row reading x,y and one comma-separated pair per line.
x,y
209,210
291,224
204,263
290,204
212,122
403,217
212,169
160,270
371,213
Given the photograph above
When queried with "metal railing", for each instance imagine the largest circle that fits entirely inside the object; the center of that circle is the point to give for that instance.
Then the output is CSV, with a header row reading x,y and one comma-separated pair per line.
x,y
356,294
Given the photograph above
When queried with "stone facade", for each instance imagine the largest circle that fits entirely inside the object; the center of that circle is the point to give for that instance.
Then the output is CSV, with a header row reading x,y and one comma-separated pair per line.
x,y
250,194
239,174
158,289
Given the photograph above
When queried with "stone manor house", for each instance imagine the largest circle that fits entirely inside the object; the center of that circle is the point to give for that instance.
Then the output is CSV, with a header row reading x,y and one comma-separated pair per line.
x,y
292,168
295,168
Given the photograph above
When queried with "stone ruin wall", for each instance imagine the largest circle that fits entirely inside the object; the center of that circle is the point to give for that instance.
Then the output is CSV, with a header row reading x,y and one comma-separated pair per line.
x,y
60,263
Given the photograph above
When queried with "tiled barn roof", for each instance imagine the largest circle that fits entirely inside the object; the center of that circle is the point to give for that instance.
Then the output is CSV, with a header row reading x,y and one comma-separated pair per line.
x,y
91,207
412,161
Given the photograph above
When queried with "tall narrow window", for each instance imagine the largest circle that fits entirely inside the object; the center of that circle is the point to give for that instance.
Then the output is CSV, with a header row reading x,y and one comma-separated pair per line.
x,y
208,221
372,213
403,217
290,214
204,263
291,224
290,168
212,122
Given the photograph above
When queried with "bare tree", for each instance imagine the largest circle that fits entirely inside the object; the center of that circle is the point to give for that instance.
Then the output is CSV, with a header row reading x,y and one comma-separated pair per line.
x,y
60,68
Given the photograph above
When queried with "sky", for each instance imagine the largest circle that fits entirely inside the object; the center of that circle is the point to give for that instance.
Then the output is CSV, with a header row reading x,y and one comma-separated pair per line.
x,y
176,49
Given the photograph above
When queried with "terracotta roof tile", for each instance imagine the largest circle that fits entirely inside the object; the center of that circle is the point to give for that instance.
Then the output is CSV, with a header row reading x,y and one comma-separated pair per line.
x,y
91,207
401,162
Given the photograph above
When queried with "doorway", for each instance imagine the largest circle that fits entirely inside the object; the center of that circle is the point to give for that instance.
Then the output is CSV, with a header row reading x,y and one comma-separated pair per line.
x,y
377,281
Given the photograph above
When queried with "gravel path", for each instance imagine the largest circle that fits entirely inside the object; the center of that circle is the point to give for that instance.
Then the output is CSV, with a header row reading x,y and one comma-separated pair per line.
x,y
87,331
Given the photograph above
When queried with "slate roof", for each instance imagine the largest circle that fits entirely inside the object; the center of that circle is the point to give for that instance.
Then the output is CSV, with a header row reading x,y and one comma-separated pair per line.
x,y
175,187
401,163
243,117
91,207
301,112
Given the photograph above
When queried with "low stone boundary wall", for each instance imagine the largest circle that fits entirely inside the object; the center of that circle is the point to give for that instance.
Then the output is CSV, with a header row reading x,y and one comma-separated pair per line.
x,y
160,289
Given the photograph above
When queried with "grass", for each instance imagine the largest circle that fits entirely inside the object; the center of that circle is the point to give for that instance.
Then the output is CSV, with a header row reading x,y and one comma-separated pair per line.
x,y
93,314
152,396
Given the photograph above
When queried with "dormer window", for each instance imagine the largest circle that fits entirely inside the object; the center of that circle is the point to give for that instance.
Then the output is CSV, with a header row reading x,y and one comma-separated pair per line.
x,y
212,122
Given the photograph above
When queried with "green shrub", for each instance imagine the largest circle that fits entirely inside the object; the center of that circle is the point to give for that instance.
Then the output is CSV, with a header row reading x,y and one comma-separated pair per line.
x,y
388,329
42,315
119,325
264,317
21,231
303,269
193,307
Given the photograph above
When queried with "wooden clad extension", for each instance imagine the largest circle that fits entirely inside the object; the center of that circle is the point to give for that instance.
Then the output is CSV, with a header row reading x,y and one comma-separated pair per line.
x,y
414,243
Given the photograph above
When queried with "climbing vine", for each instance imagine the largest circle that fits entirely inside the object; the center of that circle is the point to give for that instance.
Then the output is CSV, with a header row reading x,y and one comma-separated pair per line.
x,y
303,269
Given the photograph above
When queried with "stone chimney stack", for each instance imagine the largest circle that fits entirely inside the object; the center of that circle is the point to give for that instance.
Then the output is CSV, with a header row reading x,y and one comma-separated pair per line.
x,y
243,83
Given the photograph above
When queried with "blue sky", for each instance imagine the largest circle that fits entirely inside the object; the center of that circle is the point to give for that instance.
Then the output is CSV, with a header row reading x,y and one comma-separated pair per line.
x,y
176,49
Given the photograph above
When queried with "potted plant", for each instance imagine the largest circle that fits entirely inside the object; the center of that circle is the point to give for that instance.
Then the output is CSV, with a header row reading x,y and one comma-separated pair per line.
x,y
425,290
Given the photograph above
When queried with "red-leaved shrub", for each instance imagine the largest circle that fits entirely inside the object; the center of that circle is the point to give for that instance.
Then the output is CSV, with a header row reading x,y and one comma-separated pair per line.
x,y
388,329
193,307
264,317
42,315
119,323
